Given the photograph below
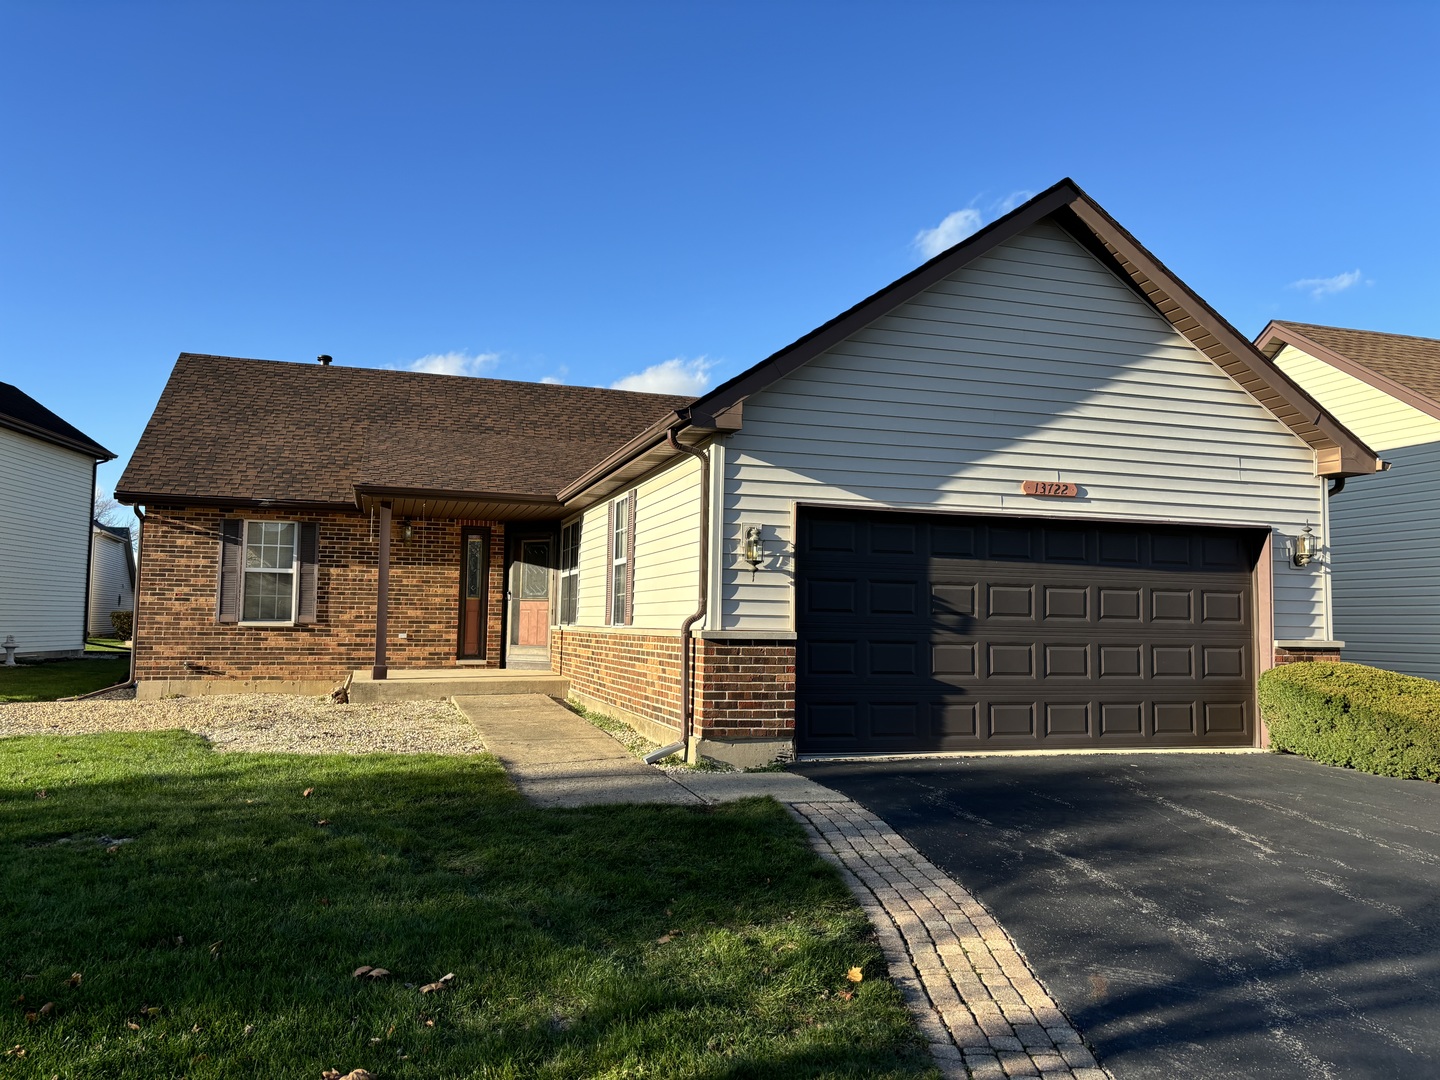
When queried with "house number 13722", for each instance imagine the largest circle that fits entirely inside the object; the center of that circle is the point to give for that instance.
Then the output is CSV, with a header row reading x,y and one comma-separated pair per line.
x,y
1050,487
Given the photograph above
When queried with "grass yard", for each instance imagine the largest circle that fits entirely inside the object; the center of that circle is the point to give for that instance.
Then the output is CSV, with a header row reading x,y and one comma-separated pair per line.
x,y
187,913
106,645
54,679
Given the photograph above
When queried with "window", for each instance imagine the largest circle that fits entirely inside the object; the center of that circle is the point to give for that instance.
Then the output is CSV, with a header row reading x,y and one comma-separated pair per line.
x,y
269,588
619,560
569,572
269,572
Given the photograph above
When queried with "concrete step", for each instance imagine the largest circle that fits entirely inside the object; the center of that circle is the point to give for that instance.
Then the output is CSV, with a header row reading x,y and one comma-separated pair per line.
x,y
443,683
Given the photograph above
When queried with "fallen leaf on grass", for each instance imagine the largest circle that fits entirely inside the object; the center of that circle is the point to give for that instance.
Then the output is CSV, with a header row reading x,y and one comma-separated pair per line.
x,y
377,973
353,1074
74,979
47,1008
307,792
42,794
429,1023
666,938
439,984
363,969
215,948
855,975
15,1051
248,1029
132,1025
323,821
845,995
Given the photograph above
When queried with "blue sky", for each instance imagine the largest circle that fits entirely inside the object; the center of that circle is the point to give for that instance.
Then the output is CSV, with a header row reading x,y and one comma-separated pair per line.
x,y
661,194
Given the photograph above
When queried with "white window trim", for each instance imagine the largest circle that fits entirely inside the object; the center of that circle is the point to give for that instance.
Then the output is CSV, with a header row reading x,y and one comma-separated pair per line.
x,y
572,573
294,572
619,537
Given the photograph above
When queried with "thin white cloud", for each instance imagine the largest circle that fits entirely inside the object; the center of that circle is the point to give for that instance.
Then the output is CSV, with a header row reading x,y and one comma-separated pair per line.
x,y
955,227
553,380
1319,288
675,376
1014,199
455,363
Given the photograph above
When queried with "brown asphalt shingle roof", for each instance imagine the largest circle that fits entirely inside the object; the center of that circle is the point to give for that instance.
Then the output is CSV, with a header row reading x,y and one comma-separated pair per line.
x,y
1413,362
230,428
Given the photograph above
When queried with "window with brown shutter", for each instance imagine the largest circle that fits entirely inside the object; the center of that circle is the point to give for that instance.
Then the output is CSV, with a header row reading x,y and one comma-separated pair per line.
x,y
268,572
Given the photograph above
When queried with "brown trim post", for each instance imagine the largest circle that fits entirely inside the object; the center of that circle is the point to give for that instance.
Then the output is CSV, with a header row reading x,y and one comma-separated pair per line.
x,y
382,596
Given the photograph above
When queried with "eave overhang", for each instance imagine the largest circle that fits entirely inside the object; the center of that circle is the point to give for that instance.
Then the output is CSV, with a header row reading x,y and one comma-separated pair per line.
x,y
86,447
1277,335
469,505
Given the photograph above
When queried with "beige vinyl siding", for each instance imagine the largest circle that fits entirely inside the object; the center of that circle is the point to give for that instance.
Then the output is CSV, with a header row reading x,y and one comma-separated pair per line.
x,y
109,582
667,551
1033,363
1387,565
45,506
1381,421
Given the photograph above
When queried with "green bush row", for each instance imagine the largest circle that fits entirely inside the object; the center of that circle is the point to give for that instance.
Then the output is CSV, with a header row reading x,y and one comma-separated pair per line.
x,y
1355,716
124,624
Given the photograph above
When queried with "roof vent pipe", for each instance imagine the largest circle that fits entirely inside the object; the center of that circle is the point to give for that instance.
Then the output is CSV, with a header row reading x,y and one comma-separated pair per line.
x,y
325,359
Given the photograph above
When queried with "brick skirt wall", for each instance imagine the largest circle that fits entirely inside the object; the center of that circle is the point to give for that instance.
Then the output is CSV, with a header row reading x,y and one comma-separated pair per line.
x,y
743,689
178,637
1300,656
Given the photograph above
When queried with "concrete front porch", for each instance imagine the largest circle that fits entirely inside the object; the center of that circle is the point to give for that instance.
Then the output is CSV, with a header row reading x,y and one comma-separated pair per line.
x,y
438,684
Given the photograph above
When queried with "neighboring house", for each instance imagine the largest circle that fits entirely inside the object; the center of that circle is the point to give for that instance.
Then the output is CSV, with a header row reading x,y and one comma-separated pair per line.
x,y
1386,389
112,577
47,496
1034,493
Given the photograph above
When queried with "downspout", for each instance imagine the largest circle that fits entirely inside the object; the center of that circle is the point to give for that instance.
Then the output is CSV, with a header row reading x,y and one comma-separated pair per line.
x,y
687,696
1339,487
129,684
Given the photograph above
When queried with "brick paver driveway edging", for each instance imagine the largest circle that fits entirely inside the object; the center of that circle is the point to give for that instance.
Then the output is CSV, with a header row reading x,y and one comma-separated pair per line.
x,y
982,1010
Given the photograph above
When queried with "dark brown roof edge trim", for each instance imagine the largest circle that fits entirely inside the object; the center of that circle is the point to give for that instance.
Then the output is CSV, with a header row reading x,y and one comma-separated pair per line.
x,y
1282,333
93,449
1355,458
156,499
704,422
383,491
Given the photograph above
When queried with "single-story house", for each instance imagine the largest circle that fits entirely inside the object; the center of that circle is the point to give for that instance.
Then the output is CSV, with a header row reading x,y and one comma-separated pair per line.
x,y
112,577
47,497
1035,493
1386,389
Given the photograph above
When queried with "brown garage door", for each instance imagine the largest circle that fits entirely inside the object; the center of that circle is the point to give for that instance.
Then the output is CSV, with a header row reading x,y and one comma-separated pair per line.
x,y
952,633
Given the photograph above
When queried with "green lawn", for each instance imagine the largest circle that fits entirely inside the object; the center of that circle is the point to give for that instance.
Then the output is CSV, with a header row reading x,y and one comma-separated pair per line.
x,y
59,678
106,645
190,913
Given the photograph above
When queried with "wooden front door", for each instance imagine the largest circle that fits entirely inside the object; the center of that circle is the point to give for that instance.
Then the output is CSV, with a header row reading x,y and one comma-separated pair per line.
x,y
474,582
529,602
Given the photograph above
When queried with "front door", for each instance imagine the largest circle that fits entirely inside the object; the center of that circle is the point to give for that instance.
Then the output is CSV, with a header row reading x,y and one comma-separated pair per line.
x,y
474,579
529,644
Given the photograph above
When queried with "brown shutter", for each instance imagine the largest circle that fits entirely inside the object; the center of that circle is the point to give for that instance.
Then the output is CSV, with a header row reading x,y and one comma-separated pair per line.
x,y
609,562
232,573
307,568
630,559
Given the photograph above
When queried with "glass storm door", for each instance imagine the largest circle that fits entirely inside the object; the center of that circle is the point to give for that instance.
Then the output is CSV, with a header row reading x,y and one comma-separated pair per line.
x,y
474,575
530,601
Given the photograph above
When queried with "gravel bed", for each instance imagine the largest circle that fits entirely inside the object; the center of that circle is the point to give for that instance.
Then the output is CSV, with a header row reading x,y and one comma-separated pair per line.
x,y
268,723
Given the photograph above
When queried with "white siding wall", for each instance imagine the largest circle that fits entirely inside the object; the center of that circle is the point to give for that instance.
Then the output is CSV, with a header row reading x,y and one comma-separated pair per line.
x,y
1387,565
1034,362
45,506
1378,419
667,551
109,582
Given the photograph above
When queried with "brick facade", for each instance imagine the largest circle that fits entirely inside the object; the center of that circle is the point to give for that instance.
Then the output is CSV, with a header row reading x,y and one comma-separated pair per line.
x,y
178,636
1300,656
743,689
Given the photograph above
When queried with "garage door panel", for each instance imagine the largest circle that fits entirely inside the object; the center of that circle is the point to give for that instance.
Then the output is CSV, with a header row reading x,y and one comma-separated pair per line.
x,y
1032,634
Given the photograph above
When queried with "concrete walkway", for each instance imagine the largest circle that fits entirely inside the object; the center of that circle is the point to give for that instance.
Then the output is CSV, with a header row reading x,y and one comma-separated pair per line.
x,y
974,997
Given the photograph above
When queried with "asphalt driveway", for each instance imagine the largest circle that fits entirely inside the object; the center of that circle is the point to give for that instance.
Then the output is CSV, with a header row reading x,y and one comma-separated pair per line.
x,y
1198,915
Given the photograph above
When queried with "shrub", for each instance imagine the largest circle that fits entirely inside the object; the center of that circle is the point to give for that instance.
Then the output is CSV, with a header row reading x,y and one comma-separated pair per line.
x,y
1355,716
124,624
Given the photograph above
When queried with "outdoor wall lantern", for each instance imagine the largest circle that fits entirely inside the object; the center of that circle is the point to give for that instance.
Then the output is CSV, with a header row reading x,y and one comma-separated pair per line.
x,y
1307,546
753,548
408,531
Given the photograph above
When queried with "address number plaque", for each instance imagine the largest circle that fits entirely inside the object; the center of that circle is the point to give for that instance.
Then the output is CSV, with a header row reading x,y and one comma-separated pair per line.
x,y
1056,488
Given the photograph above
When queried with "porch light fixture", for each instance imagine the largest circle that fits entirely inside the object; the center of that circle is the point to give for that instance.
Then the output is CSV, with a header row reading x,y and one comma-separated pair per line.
x,y
408,531
1307,546
752,548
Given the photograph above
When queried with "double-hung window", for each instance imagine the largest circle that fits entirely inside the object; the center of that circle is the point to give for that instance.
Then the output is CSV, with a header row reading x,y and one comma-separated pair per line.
x,y
620,561
569,572
269,587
